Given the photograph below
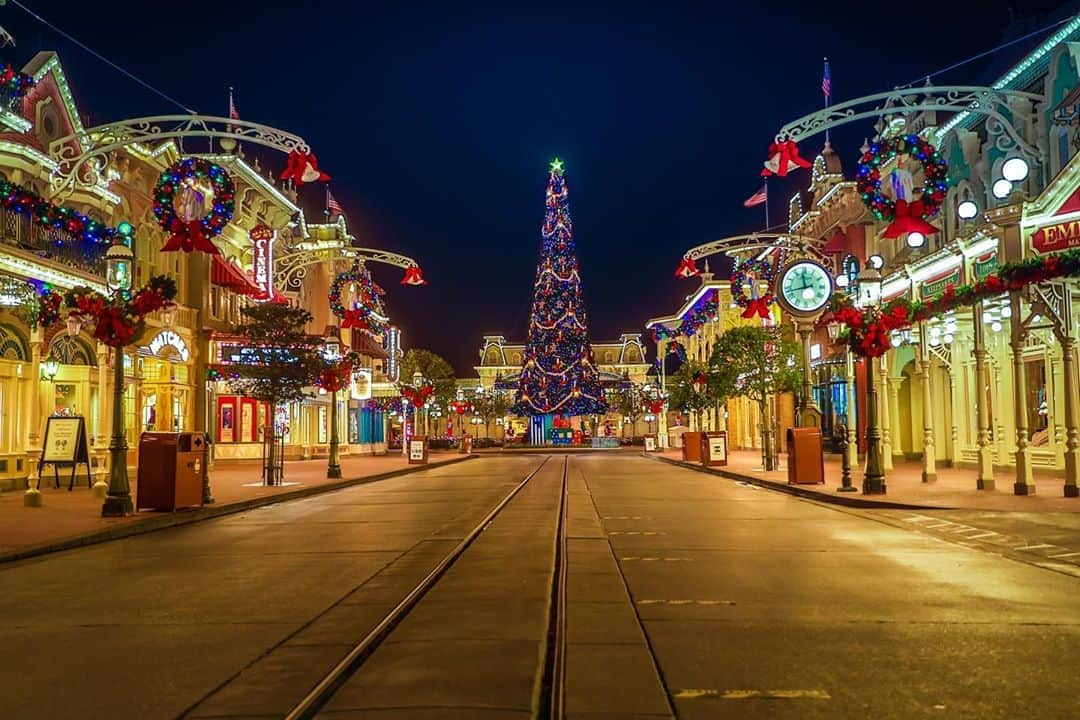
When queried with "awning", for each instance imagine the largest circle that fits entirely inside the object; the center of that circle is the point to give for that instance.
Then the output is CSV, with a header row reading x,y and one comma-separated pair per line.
x,y
229,275
367,345
836,244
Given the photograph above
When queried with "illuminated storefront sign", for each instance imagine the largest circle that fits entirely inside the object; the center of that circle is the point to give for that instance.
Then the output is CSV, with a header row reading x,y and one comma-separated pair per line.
x,y
168,338
1057,237
262,239
936,287
361,385
250,355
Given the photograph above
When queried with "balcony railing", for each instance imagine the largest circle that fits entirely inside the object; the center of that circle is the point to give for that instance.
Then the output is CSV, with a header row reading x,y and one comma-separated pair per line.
x,y
53,244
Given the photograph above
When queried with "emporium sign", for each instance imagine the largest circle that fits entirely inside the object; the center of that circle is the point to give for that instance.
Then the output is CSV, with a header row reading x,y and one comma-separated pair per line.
x,y
262,239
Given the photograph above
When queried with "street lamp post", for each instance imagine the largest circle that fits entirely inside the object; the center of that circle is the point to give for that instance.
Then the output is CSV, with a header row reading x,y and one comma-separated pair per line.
x,y
333,354
874,480
118,276
844,429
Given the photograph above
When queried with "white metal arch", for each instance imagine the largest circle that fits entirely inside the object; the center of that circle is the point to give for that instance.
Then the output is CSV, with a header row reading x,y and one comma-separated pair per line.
x,y
757,242
291,267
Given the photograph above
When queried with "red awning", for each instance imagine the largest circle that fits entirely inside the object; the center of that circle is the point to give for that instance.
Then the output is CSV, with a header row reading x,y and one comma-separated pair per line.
x,y
367,345
229,275
836,244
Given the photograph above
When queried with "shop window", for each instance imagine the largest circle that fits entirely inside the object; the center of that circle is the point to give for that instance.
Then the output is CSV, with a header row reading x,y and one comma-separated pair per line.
x,y
12,346
1037,405
131,429
64,399
150,412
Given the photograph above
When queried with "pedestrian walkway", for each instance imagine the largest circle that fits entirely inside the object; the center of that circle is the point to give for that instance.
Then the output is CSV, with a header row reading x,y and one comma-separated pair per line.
x,y
954,488
68,516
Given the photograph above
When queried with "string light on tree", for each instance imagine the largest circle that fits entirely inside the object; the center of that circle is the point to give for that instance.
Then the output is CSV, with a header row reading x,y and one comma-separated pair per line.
x,y
558,374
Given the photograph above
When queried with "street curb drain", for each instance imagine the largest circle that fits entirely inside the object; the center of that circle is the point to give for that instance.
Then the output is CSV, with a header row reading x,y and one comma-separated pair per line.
x,y
208,512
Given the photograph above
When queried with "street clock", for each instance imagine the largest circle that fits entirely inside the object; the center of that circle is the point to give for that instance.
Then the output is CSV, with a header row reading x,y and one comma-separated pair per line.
x,y
804,288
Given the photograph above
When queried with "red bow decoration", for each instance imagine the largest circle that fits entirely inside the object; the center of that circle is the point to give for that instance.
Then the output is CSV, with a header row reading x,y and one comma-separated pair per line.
x,y
334,378
909,218
656,406
687,269
188,236
783,157
756,306
354,319
461,407
413,276
303,167
113,328
417,396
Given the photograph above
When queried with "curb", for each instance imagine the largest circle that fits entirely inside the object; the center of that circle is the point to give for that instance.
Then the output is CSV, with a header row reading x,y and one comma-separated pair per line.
x,y
838,499
208,512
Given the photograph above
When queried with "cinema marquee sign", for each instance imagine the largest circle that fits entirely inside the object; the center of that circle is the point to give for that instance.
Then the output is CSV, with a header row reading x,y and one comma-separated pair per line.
x,y
262,239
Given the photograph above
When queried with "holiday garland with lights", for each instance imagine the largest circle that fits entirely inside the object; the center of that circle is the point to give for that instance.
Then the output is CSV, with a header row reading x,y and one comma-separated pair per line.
x,y
706,309
116,321
867,329
367,308
751,303
558,374
194,232
903,215
14,84
49,215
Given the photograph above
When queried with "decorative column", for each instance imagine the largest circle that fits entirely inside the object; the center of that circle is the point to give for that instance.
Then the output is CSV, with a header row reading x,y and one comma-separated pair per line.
x,y
1072,417
807,414
929,471
1024,485
885,413
852,449
35,383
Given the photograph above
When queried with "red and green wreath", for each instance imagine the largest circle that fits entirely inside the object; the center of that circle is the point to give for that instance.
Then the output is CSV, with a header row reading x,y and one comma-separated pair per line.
x,y
194,232
762,270
364,316
902,215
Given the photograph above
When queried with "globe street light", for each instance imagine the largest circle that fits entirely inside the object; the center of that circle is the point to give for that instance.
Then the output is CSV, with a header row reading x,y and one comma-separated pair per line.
x,y
118,275
332,345
874,480
1015,169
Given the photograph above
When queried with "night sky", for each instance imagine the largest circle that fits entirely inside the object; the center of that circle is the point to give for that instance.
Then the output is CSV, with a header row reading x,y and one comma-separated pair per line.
x,y
438,122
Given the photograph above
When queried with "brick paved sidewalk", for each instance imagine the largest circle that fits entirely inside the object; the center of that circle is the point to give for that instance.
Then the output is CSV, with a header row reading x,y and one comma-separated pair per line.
x,y
67,517
954,488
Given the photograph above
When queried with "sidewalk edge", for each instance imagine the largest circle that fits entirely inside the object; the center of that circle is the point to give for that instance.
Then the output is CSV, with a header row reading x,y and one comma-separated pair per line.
x,y
208,512
795,490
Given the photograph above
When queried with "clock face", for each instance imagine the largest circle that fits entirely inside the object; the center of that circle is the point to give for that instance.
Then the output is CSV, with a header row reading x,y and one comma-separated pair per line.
x,y
805,287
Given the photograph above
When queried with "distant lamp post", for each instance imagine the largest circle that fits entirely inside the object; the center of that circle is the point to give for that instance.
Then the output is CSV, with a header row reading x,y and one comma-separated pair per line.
x,y
874,480
118,275
50,366
332,343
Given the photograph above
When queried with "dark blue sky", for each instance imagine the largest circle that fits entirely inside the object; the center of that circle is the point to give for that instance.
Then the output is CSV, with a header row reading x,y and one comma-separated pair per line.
x,y
438,121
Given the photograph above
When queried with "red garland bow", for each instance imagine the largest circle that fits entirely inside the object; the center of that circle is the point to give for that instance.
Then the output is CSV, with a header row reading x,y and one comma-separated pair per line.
x,y
687,269
303,167
413,276
756,306
354,319
113,328
783,157
188,236
656,406
335,378
909,218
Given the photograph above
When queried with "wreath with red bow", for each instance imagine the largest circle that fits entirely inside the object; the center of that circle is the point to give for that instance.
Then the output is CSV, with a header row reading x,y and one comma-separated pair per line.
x,y
903,216
194,234
763,270
364,315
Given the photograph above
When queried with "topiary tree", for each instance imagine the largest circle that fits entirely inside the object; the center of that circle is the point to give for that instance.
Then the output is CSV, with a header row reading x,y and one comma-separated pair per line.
x,y
757,363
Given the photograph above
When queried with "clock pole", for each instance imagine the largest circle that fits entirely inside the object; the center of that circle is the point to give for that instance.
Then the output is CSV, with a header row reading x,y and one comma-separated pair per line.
x,y
809,413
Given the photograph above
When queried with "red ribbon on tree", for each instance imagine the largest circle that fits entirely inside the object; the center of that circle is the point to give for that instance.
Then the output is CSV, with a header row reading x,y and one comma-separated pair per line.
x,y
413,276
189,236
687,269
756,306
909,218
783,157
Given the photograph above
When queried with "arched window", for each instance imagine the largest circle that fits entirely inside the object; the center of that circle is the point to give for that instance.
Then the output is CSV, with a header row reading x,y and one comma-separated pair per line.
x,y
71,350
12,345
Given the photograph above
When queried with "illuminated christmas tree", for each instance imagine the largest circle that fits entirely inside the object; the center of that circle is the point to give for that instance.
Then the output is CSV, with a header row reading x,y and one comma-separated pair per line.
x,y
557,374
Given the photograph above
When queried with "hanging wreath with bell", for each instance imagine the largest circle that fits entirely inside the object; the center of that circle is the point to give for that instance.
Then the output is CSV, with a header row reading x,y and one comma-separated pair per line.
x,y
363,315
193,201
750,273
902,211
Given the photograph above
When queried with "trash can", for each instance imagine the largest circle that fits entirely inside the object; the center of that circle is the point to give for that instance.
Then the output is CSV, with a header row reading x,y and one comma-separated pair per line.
x,y
418,450
806,456
714,448
171,470
466,444
691,448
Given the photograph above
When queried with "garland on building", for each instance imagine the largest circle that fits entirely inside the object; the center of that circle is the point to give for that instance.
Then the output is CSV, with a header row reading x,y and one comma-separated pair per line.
x,y
46,214
904,214
117,322
14,84
867,331
191,226
367,308
44,310
751,303
384,404
704,310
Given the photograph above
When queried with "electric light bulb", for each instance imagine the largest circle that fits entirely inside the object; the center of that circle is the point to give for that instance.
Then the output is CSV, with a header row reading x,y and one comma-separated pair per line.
x,y
1006,311
948,339
967,209
1002,188
995,326
987,317
1014,169
841,280
876,262
916,239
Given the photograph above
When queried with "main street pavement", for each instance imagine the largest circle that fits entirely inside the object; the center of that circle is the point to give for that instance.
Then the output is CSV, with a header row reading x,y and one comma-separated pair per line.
x,y
688,595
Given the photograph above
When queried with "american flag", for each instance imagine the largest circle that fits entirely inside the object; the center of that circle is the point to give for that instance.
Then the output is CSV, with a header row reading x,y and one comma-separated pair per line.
x,y
333,207
826,81
757,198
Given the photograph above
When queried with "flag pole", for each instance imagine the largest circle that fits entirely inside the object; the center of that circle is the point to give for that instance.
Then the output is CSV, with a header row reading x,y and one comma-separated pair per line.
x,y
766,204
828,78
